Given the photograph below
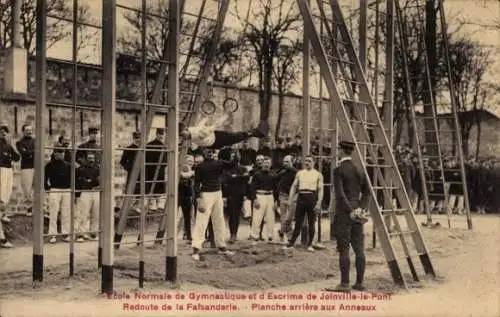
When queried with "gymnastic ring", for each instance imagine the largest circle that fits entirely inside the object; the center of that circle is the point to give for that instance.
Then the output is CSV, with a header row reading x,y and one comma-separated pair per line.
x,y
230,105
208,107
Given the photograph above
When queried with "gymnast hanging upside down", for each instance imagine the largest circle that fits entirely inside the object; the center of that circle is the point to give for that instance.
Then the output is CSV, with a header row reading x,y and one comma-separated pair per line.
x,y
206,135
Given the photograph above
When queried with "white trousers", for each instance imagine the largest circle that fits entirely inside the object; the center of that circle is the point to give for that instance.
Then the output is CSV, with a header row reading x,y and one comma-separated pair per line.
x,y
60,200
27,184
247,208
266,211
157,203
456,202
214,208
2,234
87,218
6,183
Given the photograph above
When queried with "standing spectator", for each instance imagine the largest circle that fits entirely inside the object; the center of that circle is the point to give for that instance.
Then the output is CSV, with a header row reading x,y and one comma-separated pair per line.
x,y
26,148
235,188
58,188
208,192
454,179
279,154
352,195
308,184
265,149
186,183
297,146
248,155
155,170
264,196
8,154
87,181
127,163
88,146
286,176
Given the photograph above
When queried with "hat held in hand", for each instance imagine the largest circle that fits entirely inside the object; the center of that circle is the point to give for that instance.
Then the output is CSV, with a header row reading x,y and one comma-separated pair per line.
x,y
359,215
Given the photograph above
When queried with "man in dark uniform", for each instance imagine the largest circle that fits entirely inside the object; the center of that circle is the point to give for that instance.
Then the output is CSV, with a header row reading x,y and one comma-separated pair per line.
x,y
235,187
286,176
279,154
86,147
186,183
128,157
265,149
247,155
87,180
26,147
58,187
352,196
155,170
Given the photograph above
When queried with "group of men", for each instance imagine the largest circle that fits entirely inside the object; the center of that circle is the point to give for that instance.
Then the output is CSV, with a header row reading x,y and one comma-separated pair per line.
x,y
482,180
217,187
58,182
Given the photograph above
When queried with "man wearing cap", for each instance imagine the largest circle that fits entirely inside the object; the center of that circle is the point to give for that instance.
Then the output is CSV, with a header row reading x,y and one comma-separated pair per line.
x,y
88,146
265,149
87,181
8,154
156,166
286,177
264,195
128,157
308,184
208,193
58,187
206,135
235,188
248,155
351,197
26,148
279,154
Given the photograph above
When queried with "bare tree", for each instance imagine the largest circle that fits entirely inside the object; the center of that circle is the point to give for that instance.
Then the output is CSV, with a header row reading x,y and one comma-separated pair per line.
x,y
57,29
274,24
285,74
469,63
129,42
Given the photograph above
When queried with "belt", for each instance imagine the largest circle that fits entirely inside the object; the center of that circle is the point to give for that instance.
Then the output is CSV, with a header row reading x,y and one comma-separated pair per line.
x,y
264,192
306,191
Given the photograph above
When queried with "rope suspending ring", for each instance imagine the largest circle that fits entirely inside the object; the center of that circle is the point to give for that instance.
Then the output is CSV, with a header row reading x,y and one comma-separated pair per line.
x,y
230,105
208,107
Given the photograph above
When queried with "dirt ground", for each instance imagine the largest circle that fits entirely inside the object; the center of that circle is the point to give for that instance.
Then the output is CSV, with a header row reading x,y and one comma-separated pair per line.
x,y
467,264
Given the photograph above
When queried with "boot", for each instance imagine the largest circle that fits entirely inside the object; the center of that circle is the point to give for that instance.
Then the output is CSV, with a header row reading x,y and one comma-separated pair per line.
x,y
261,130
359,287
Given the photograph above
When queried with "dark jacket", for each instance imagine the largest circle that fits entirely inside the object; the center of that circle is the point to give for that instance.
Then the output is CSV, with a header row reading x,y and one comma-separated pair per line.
x,y
264,180
26,147
208,176
57,175
87,177
235,182
285,177
155,167
247,156
351,188
84,148
7,154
